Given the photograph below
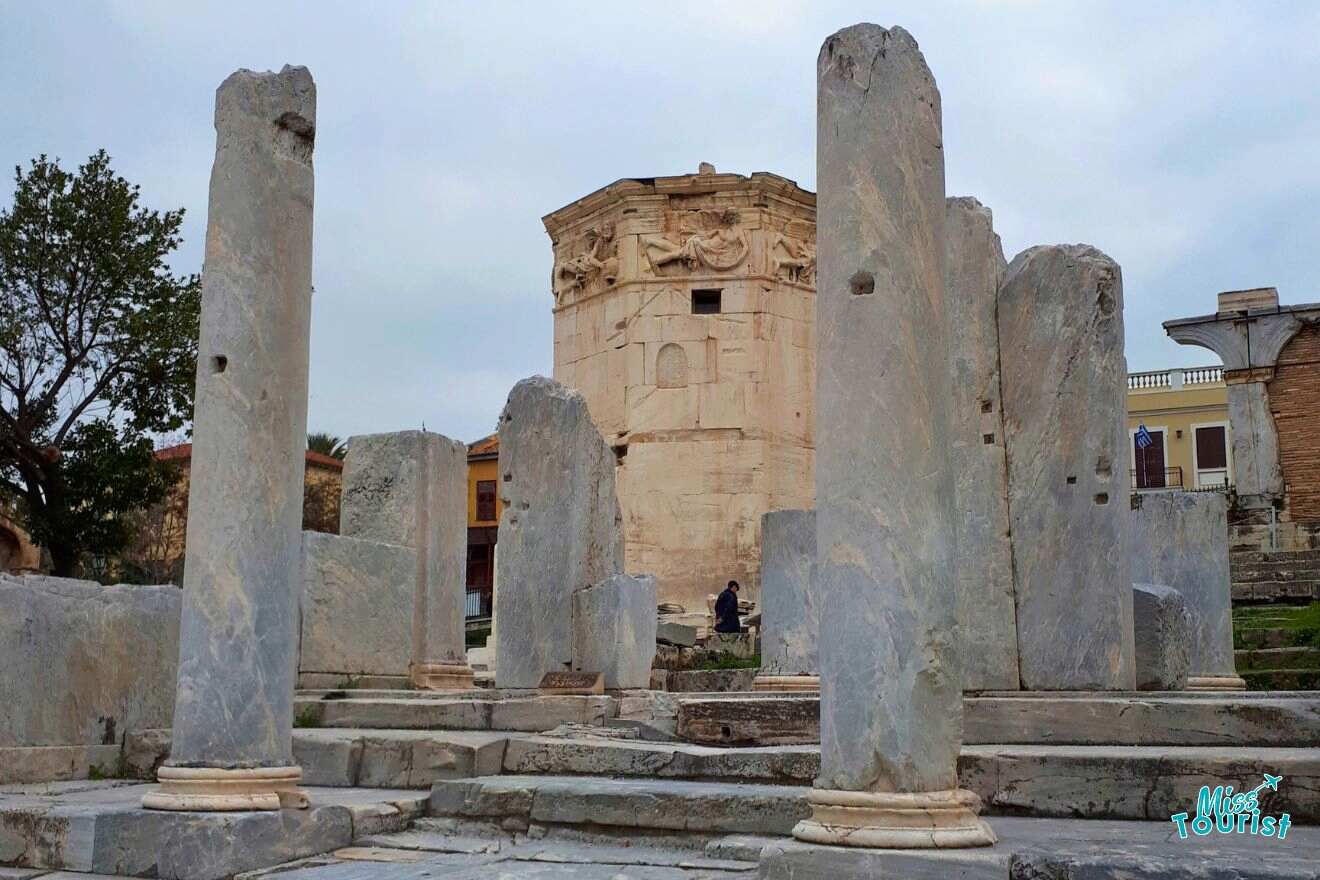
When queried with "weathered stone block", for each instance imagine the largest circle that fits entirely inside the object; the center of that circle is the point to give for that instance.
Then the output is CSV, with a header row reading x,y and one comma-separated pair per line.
x,y
357,605
560,532
1064,385
1181,539
84,663
738,645
382,493
678,634
790,616
973,270
750,721
1163,637
614,628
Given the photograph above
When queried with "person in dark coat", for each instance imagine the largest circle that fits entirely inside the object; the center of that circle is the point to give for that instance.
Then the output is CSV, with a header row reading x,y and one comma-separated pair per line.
x,y
726,610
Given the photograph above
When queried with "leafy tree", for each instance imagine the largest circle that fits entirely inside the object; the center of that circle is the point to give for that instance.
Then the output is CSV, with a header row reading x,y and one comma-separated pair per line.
x,y
98,347
327,444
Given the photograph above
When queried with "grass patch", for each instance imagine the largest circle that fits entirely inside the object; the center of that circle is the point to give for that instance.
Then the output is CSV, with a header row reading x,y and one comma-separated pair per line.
x,y
728,661
307,716
1297,625
96,772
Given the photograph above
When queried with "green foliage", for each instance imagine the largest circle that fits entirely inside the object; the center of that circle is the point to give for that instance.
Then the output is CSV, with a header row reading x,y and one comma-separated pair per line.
x,y
327,444
725,660
307,716
98,346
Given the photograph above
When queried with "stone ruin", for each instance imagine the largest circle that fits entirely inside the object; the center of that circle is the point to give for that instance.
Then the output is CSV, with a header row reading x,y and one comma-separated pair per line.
x,y
481,782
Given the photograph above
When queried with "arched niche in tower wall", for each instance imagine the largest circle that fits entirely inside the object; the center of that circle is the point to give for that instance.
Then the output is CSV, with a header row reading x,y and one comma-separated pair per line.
x,y
671,366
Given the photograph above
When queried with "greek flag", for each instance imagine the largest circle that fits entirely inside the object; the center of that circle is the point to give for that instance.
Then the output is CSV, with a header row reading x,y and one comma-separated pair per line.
x,y
1143,437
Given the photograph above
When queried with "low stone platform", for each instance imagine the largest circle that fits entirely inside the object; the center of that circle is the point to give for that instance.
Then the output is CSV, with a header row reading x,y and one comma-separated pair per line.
x,y
1062,849
100,827
516,710
1272,719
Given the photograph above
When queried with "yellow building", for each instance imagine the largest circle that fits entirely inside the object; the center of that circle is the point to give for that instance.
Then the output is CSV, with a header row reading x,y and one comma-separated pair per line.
x,y
483,522
1185,412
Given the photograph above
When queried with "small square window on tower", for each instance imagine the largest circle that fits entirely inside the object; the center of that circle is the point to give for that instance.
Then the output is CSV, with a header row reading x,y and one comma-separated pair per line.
x,y
705,302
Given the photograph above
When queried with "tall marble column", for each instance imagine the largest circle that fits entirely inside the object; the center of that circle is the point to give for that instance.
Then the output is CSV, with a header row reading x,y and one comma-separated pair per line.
x,y
891,696
233,714
439,658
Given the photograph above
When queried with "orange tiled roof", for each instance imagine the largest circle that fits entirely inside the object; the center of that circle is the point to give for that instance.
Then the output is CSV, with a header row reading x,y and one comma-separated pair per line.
x,y
183,452
485,447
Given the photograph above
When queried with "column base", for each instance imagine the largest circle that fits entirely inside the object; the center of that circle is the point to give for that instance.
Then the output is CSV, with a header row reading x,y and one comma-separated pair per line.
x,y
441,676
786,683
1215,683
895,820
216,789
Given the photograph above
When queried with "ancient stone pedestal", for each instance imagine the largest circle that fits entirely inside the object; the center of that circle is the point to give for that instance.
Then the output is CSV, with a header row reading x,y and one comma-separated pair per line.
x,y
973,269
790,617
1181,539
891,696
560,532
1163,635
233,715
357,605
409,488
614,630
1064,383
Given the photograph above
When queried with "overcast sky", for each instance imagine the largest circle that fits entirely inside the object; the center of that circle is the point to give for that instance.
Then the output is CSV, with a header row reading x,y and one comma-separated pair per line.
x,y
1181,138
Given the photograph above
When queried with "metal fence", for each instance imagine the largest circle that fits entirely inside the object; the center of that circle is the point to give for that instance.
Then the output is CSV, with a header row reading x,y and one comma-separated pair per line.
x,y
477,604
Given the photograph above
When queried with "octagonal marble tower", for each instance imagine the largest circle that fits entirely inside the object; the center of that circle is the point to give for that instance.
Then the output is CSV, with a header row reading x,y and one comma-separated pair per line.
x,y
683,312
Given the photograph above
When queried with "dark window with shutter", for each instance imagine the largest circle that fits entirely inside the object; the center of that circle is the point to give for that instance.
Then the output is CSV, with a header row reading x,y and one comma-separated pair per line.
x,y
1150,462
1211,449
485,500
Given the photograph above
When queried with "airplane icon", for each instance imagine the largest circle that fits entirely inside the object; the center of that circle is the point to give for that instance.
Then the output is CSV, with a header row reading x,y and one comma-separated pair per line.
x,y
1272,781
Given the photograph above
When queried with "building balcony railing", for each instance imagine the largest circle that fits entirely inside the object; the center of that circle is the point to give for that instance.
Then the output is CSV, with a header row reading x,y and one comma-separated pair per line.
x,y
1175,379
1156,478
478,603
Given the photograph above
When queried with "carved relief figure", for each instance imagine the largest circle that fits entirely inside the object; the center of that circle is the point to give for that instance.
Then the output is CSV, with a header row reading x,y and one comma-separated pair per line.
x,y
601,260
721,248
793,259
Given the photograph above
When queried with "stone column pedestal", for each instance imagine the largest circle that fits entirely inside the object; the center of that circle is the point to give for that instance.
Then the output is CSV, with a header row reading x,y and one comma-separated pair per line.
x,y
1216,683
895,820
891,683
232,745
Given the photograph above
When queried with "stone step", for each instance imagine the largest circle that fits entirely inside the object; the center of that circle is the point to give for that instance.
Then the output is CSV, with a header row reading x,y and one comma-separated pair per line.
x,y
1050,780
650,804
1277,679
475,710
1277,658
1140,718
1093,782
1275,591
1266,637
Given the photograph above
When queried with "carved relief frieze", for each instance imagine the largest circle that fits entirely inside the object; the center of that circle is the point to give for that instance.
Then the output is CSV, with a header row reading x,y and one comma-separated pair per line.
x,y
792,253
594,266
711,240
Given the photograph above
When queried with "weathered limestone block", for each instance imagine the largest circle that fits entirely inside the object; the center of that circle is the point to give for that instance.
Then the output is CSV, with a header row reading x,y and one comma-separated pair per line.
x,y
1065,384
790,617
749,721
1181,539
973,270
614,630
891,691
409,488
239,630
679,634
560,532
357,605
1163,636
82,663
